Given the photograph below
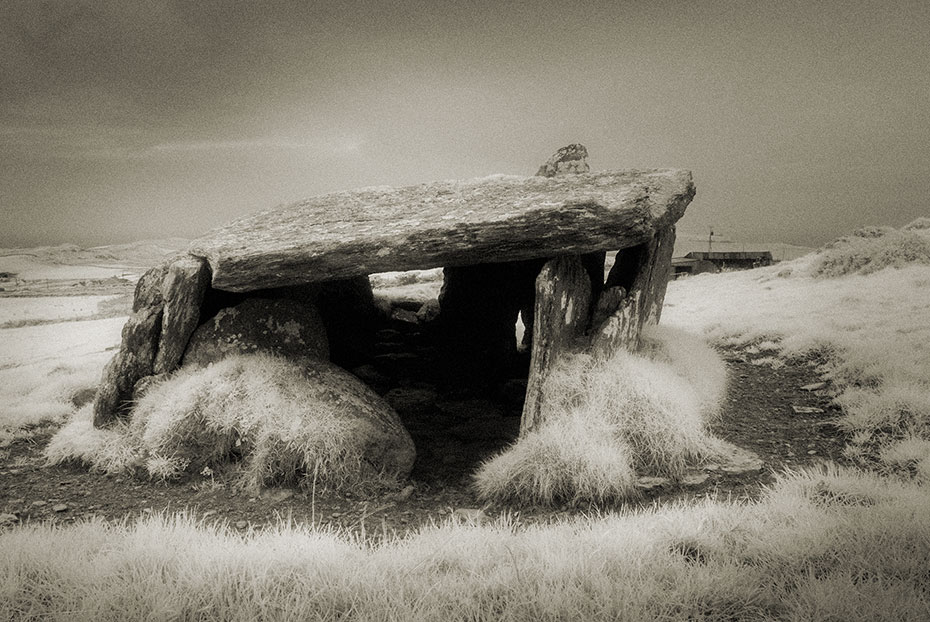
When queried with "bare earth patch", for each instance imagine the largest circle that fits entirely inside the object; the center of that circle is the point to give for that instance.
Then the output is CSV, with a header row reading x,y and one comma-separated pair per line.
x,y
766,412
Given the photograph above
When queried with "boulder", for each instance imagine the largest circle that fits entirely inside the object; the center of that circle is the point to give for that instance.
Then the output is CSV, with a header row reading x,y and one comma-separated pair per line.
x,y
281,326
347,307
450,223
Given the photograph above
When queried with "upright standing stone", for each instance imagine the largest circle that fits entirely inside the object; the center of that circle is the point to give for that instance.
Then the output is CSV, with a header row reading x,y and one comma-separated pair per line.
x,y
133,362
183,290
565,308
647,280
563,305
569,160
148,288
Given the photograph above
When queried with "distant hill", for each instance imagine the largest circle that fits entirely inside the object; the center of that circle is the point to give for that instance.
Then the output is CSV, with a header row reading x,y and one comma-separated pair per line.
x,y
143,253
69,262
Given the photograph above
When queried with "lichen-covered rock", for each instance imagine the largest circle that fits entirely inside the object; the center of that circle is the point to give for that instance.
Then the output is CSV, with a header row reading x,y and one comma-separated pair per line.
x,y
280,326
133,362
183,288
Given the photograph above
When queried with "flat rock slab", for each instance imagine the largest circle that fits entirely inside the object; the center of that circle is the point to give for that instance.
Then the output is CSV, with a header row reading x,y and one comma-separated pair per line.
x,y
451,223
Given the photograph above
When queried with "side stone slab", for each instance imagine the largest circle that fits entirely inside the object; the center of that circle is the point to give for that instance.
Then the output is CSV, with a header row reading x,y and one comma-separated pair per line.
x,y
494,219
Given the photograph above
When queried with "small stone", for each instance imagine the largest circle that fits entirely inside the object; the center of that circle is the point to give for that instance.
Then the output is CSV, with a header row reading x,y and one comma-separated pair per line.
x,y
410,401
812,452
208,513
405,493
651,483
241,524
806,410
277,496
428,311
695,479
7,520
742,461
60,507
813,386
38,504
403,315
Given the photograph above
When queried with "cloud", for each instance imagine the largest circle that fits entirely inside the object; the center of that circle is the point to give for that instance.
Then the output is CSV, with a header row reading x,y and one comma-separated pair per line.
x,y
335,146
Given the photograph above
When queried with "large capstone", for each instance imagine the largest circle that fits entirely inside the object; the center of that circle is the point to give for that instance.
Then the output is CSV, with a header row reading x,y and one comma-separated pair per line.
x,y
450,223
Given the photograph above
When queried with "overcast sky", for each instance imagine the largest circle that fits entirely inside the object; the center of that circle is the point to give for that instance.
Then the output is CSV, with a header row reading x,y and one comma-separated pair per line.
x,y
124,119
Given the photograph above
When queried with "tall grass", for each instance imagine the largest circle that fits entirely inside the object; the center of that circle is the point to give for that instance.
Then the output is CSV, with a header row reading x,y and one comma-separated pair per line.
x,y
607,421
47,371
834,545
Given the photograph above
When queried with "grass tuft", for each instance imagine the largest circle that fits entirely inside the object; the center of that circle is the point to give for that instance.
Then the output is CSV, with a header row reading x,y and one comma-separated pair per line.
x,y
608,421
259,411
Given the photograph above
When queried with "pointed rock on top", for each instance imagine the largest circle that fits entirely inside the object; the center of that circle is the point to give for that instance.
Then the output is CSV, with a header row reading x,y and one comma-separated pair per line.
x,y
569,160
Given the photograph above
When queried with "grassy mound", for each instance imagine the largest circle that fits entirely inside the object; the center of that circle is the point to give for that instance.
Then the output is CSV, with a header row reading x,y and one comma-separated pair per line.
x,y
608,421
867,330
871,249
257,411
